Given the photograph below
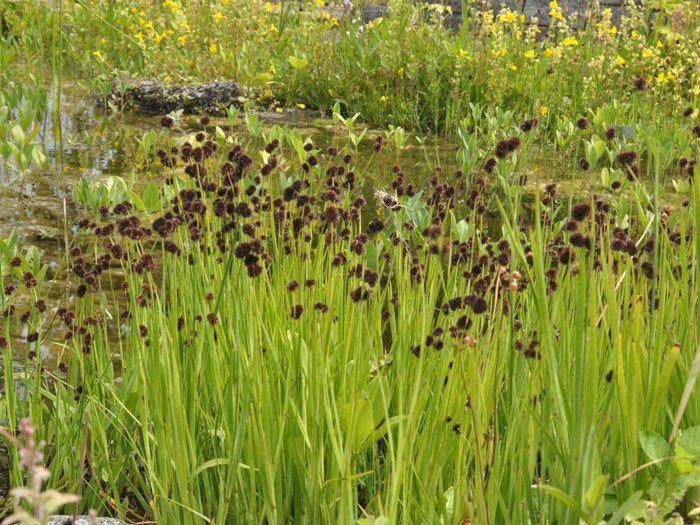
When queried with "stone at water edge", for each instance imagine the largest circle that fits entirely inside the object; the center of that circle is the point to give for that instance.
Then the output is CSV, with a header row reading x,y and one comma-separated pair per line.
x,y
373,11
164,97
83,520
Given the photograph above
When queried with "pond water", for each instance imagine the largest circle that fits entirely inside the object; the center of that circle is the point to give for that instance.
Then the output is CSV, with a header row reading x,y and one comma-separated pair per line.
x,y
85,141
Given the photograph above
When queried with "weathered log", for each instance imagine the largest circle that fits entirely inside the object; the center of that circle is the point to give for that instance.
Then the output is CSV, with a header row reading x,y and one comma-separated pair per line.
x,y
163,97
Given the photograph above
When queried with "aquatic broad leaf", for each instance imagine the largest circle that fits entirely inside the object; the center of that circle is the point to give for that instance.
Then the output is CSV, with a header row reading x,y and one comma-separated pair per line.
x,y
151,197
358,421
298,62
117,190
262,79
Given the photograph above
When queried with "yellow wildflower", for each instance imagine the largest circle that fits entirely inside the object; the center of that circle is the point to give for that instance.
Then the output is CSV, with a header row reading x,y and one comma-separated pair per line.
x,y
167,78
103,41
507,16
646,53
400,72
663,77
529,54
383,99
268,7
570,41
181,40
218,15
213,48
544,110
98,54
513,66
619,60
301,105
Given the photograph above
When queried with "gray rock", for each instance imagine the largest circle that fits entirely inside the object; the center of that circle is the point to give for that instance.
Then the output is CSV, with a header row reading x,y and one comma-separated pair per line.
x,y
83,520
164,97
373,11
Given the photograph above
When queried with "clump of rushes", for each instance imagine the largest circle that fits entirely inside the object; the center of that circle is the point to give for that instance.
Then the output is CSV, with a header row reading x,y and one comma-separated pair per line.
x,y
272,348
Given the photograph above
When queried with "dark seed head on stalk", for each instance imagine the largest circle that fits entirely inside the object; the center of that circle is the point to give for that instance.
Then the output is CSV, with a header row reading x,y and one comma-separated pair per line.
x,y
580,211
479,305
580,240
582,123
490,164
296,311
627,157
641,83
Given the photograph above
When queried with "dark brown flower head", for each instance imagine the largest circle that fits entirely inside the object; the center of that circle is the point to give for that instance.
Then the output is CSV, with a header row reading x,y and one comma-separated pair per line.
x,y
166,121
584,164
610,133
580,211
641,83
513,143
627,158
580,240
528,124
212,318
29,280
490,164
375,226
296,311
479,305
582,123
